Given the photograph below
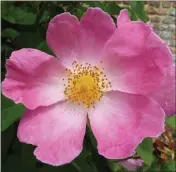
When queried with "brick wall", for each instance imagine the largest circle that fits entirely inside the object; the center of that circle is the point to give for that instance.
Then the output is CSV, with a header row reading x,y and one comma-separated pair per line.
x,y
162,17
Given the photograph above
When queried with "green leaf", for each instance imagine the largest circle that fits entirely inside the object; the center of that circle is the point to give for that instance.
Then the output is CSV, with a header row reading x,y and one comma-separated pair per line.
x,y
5,102
82,162
95,4
6,139
44,47
23,14
171,121
80,11
99,162
13,164
10,115
51,11
170,166
9,33
132,14
112,8
45,16
138,8
27,40
163,167
154,167
114,165
27,157
91,137
145,150
64,168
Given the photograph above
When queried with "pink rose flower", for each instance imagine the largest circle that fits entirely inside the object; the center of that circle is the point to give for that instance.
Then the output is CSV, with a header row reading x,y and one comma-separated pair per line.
x,y
103,73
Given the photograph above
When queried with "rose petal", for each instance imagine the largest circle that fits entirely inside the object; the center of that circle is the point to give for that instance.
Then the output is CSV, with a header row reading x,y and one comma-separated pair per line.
x,y
63,37
121,121
84,43
136,65
33,78
139,75
133,39
57,130
97,27
165,95
159,50
123,18
129,39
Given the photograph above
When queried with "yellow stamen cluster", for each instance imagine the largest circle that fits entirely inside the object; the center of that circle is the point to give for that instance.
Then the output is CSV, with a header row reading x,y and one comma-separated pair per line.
x,y
85,84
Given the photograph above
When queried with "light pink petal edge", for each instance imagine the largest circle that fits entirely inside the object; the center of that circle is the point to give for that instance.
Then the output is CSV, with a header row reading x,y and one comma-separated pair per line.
x,y
97,27
33,78
121,121
63,37
56,130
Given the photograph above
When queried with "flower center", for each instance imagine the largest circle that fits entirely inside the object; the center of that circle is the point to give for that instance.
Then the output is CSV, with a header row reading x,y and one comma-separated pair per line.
x,y
86,84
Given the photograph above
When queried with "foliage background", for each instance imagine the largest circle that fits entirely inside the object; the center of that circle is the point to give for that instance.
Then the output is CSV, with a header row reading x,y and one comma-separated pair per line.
x,y
24,25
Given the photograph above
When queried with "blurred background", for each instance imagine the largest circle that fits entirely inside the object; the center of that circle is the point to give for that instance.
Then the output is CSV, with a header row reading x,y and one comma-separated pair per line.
x,y
24,25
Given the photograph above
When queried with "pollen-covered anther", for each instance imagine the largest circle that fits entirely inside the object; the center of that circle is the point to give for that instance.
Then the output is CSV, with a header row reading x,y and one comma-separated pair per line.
x,y
86,84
